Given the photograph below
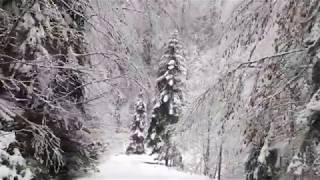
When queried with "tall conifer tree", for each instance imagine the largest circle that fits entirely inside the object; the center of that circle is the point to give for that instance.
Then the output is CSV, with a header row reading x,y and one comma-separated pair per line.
x,y
168,107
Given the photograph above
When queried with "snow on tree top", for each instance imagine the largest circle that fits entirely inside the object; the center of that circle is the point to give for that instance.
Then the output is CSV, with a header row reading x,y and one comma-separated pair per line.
x,y
169,76
165,98
173,41
179,57
171,62
170,67
171,82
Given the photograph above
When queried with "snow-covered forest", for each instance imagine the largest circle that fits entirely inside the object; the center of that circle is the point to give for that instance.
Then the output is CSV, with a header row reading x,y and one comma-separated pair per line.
x,y
160,89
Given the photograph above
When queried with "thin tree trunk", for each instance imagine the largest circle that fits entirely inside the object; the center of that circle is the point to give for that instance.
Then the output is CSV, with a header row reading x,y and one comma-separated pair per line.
x,y
207,153
220,162
117,114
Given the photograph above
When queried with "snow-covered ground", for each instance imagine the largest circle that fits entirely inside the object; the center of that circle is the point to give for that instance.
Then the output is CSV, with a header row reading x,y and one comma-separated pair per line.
x,y
138,167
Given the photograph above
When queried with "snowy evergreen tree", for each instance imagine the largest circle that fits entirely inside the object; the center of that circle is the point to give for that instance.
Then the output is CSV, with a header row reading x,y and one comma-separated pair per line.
x,y
168,108
42,49
136,145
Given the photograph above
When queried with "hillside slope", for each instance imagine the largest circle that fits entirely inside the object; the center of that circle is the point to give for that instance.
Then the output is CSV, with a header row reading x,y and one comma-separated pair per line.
x,y
261,67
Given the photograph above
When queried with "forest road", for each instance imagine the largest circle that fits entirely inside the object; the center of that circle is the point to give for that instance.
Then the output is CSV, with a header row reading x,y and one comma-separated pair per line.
x,y
138,167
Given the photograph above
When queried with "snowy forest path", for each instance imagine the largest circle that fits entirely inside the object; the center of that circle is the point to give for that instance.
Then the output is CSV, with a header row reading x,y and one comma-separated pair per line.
x,y
138,167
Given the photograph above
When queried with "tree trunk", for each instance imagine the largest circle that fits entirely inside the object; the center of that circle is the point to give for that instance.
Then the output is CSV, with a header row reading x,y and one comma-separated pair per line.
x,y
207,153
220,162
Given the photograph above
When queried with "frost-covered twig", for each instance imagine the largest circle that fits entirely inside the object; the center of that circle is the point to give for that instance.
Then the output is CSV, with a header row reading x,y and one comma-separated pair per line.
x,y
45,144
265,58
204,95
289,82
87,84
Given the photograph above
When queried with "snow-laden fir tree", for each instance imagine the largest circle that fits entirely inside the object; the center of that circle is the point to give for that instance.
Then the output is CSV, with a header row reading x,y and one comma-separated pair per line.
x,y
41,53
169,101
136,145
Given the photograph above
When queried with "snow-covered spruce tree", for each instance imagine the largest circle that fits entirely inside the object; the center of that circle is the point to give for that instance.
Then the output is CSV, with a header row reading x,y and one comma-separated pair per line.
x,y
136,145
168,108
41,53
